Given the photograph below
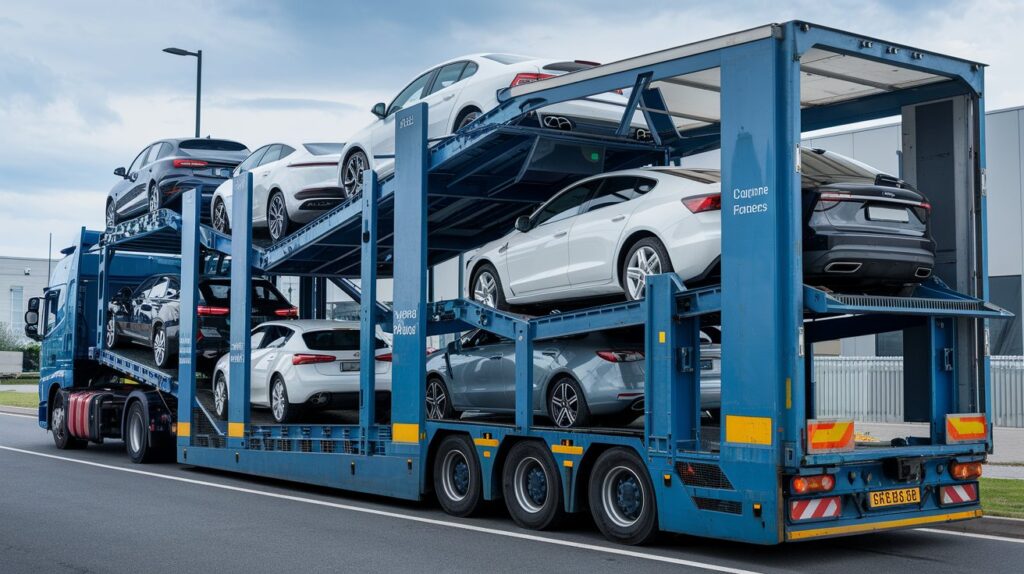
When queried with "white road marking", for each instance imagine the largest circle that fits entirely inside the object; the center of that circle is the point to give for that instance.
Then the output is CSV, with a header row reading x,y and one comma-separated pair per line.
x,y
1005,518
420,519
967,534
17,415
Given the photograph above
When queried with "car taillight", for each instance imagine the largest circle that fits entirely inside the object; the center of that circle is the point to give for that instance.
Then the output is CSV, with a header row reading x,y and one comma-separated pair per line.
x,y
289,312
207,311
303,359
965,470
827,201
190,163
621,356
816,483
702,203
526,78
922,210
386,357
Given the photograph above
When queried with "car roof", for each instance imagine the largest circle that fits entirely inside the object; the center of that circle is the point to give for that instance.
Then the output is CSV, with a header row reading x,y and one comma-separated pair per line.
x,y
308,325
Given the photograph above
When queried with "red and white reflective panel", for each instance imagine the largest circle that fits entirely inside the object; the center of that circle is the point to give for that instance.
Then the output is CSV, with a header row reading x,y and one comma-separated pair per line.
x,y
815,508
958,494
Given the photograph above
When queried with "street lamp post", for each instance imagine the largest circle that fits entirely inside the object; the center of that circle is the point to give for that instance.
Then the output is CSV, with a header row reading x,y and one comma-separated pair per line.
x,y
199,75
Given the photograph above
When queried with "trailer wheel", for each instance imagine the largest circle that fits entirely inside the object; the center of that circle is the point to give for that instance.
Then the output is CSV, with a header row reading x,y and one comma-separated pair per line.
x,y
457,479
622,497
532,487
136,430
59,425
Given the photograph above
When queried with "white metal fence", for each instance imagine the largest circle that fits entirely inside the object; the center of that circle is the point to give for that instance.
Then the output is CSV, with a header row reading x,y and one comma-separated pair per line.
x,y
870,389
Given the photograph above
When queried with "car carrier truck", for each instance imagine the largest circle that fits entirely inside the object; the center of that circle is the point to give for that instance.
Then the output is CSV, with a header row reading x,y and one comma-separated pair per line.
x,y
771,472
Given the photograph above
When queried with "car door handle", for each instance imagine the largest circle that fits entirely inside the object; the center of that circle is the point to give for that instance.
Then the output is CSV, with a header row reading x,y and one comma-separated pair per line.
x,y
265,174
503,248
494,358
618,218
448,97
550,353
560,234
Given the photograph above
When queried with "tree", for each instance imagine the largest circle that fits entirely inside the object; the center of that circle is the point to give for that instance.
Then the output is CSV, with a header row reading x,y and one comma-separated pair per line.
x,y
9,340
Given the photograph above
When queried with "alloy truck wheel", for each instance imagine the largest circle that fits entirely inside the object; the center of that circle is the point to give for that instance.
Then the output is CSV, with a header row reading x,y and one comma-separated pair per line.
x,y
59,425
622,497
567,406
220,217
111,216
277,217
220,396
457,480
439,402
162,355
280,408
154,198
137,439
110,333
532,487
352,173
487,288
647,257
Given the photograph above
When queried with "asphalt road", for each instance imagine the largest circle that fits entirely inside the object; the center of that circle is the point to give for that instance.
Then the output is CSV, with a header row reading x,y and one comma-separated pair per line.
x,y
93,511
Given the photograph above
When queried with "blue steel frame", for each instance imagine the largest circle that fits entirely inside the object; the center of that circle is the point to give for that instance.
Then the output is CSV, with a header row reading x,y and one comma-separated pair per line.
x,y
766,397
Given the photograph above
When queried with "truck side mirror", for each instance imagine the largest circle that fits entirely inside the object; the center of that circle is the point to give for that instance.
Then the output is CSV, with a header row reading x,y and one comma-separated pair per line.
x,y
32,319
379,110
121,172
523,223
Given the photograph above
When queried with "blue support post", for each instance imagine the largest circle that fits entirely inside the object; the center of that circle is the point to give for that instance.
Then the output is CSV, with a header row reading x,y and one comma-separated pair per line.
x,y
930,369
307,306
241,310
191,262
524,375
410,274
319,297
642,81
368,309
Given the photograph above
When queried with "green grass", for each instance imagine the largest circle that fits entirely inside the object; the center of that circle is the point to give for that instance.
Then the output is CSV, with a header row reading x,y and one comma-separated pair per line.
x,y
25,381
1003,497
10,399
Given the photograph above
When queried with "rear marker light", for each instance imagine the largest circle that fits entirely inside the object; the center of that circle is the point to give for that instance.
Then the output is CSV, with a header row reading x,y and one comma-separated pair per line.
x,y
190,163
815,508
702,203
621,356
816,483
310,359
206,311
527,78
289,312
965,470
958,494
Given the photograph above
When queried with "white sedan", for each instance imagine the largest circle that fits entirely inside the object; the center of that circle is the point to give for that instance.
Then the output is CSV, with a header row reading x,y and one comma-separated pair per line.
x,y
603,236
305,364
292,184
459,90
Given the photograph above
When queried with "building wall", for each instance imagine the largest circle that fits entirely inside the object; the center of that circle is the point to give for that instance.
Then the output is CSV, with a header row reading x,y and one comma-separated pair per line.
x,y
20,279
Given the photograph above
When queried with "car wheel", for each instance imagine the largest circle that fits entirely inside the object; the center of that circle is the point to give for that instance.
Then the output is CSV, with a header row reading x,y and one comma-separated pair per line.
x,y
647,257
220,217
532,488
110,334
162,354
111,215
154,198
59,425
487,288
621,497
567,406
469,115
439,402
277,217
280,408
352,173
220,396
457,480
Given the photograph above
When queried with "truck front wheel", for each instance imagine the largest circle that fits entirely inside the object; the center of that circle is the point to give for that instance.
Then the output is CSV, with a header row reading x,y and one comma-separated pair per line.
x,y
59,424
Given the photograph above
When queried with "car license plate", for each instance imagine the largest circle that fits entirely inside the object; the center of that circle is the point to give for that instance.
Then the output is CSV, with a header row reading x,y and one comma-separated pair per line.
x,y
881,498
225,173
349,366
876,213
707,364
210,332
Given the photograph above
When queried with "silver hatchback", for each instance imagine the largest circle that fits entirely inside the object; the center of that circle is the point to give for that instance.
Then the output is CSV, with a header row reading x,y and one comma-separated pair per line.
x,y
594,379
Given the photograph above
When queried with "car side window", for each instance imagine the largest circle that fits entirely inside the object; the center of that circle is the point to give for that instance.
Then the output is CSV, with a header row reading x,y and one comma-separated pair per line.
x,y
469,70
144,289
286,150
275,336
159,291
447,76
273,154
139,160
251,161
566,204
165,150
154,151
173,288
256,338
411,93
614,190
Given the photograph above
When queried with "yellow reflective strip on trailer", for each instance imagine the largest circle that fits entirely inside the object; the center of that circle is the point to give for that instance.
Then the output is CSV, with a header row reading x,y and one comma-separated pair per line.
x,y
748,430
563,449
491,442
184,429
236,430
875,526
405,432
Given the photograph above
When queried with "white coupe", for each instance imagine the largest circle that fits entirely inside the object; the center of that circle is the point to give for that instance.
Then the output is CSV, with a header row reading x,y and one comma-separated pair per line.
x,y
459,90
292,184
603,236
305,364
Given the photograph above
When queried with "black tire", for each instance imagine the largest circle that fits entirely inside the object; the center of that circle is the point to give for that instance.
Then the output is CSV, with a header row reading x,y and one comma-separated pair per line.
x,y
486,288
59,425
352,173
532,487
457,480
622,499
278,221
110,338
141,449
220,396
438,400
567,406
647,245
283,411
466,117
219,217
110,215
163,354
153,199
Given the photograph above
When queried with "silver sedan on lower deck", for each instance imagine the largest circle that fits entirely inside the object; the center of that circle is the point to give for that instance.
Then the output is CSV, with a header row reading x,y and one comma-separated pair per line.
x,y
594,379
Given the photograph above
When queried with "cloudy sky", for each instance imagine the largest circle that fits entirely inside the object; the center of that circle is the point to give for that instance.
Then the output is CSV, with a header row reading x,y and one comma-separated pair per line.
x,y
84,85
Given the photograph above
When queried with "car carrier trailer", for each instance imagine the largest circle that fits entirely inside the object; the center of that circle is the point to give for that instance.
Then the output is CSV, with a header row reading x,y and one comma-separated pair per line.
x,y
773,472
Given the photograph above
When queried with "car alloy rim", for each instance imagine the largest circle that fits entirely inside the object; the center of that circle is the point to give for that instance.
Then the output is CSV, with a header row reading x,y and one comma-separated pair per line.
x,y
564,405
110,334
220,395
436,400
622,495
644,262
277,401
354,167
455,475
154,199
220,217
159,346
531,485
135,433
58,421
276,217
110,214
486,289
470,117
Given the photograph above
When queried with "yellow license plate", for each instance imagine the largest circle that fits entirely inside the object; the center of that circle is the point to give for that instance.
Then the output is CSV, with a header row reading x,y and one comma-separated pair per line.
x,y
880,498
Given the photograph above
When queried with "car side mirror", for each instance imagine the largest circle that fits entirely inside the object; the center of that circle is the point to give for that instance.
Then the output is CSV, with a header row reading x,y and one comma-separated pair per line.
x,y
124,294
121,172
523,223
451,348
379,109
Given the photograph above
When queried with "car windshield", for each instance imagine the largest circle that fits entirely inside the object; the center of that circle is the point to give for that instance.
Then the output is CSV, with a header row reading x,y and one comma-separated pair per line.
x,y
337,340
698,175
212,145
323,148
507,59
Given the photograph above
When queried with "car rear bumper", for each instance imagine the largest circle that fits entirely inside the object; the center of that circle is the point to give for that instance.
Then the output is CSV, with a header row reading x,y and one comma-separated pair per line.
x,y
310,203
847,259
345,400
